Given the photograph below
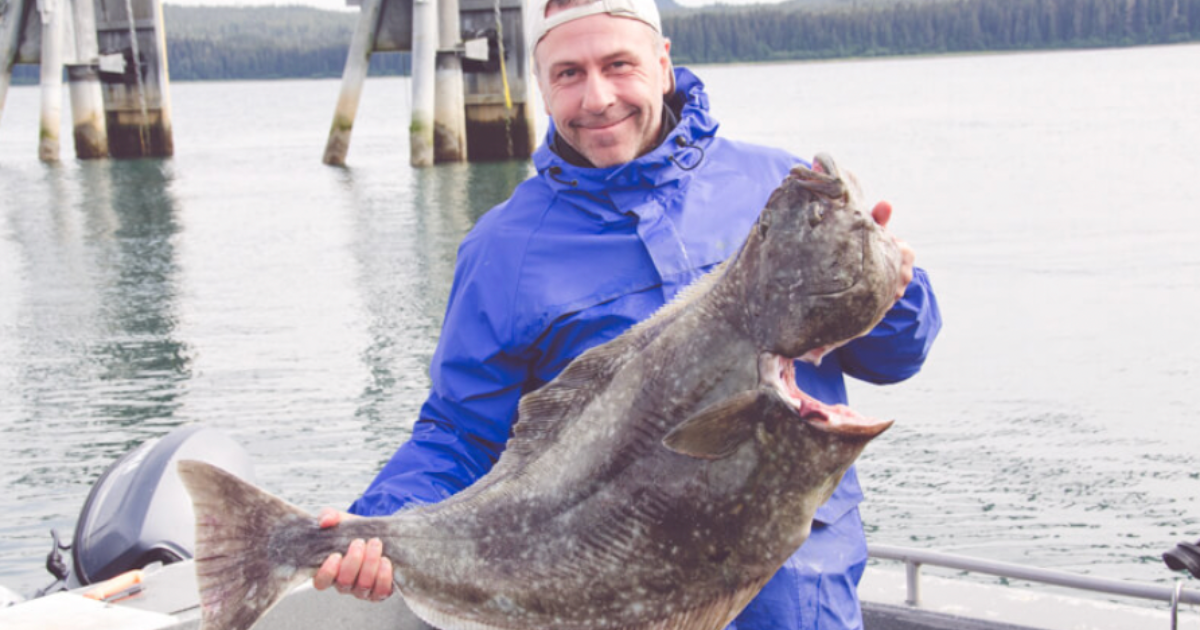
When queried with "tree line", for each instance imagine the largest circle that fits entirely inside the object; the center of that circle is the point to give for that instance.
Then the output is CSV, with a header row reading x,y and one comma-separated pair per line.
x,y
764,33
269,42
226,43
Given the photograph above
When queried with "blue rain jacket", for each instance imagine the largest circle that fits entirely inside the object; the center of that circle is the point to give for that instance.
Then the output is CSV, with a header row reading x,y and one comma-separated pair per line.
x,y
578,255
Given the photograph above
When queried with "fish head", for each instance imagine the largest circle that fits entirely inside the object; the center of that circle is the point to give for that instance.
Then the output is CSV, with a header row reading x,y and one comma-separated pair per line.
x,y
816,269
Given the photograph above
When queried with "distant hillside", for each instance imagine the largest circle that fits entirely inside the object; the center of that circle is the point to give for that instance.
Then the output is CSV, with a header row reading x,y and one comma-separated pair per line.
x,y
762,33
221,43
263,43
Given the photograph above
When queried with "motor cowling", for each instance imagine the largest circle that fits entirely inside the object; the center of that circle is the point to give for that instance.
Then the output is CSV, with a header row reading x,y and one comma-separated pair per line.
x,y
138,512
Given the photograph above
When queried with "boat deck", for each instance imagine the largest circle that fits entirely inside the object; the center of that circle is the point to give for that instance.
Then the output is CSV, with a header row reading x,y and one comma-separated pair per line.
x,y
167,600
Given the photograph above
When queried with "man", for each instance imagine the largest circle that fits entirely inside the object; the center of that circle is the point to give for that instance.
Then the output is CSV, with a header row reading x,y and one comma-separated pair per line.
x,y
635,198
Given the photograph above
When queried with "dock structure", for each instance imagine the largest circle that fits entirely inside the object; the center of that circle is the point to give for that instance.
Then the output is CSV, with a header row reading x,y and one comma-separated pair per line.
x,y
471,81
114,54
135,78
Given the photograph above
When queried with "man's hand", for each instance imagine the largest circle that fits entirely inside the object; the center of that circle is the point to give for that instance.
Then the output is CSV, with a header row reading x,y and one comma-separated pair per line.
x,y
363,572
882,213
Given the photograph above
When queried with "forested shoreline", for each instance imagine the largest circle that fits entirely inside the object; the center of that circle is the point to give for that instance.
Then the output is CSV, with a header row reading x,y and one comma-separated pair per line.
x,y
763,34
231,43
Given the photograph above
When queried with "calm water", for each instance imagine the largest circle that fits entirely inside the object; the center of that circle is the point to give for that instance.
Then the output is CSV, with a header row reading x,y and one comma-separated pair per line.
x,y
245,286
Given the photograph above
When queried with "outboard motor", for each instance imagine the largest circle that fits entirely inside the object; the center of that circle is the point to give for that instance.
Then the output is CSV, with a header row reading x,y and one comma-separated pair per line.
x,y
1184,557
138,512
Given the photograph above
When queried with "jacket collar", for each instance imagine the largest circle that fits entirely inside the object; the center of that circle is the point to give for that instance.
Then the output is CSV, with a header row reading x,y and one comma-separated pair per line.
x,y
681,150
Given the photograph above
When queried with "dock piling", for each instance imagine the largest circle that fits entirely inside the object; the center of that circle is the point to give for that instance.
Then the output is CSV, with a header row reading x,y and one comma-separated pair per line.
x,y
450,121
137,101
12,13
469,101
424,71
87,100
51,13
353,76
498,92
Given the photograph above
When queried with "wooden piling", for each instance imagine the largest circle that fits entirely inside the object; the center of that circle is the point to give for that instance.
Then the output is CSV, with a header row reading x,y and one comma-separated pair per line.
x,y
87,101
450,122
499,93
424,70
353,76
137,101
51,78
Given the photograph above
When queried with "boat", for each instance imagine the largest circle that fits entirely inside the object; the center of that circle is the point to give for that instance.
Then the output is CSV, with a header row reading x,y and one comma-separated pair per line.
x,y
149,583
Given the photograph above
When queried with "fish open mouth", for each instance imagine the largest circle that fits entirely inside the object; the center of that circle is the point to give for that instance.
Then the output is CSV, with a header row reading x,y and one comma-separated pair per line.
x,y
780,373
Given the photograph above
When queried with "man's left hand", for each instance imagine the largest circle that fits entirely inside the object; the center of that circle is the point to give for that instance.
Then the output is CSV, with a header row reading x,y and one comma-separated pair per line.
x,y
882,213
363,571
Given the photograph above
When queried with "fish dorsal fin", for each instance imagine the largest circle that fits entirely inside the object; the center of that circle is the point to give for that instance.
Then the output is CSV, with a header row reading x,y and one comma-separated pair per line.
x,y
544,413
719,429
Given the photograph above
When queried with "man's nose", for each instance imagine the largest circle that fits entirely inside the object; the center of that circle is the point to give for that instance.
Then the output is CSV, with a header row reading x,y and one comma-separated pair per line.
x,y
598,94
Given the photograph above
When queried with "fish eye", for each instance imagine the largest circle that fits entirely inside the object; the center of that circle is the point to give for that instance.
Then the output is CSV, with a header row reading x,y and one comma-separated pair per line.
x,y
816,216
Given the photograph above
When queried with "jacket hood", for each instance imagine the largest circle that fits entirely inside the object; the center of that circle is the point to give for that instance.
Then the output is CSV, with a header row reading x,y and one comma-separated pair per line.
x,y
682,150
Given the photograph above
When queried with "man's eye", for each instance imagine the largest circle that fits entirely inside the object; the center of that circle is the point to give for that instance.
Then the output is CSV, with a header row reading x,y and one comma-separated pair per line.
x,y
568,73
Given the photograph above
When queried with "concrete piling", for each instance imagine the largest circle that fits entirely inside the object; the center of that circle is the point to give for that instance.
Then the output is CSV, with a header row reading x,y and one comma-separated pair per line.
x,y
450,122
51,12
353,76
12,13
87,101
469,101
424,67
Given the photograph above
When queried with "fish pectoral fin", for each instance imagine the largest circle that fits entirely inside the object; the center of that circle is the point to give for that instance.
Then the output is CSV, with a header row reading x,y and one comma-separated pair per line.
x,y
719,429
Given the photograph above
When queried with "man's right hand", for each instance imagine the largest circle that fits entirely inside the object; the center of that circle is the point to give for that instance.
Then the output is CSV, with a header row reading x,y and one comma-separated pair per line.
x,y
363,572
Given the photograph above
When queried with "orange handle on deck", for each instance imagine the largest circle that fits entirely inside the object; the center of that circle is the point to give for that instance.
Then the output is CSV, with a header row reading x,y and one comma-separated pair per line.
x,y
110,587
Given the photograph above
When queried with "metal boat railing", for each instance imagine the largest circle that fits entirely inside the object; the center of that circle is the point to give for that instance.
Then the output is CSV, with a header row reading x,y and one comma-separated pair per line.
x,y
913,559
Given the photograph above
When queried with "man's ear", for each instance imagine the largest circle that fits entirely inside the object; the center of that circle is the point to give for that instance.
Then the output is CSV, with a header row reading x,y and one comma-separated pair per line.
x,y
668,69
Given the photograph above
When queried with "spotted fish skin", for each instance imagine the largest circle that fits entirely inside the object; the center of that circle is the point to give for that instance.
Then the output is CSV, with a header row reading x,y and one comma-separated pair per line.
x,y
657,484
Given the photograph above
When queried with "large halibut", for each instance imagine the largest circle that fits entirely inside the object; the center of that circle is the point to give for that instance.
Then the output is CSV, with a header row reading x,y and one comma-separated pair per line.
x,y
657,483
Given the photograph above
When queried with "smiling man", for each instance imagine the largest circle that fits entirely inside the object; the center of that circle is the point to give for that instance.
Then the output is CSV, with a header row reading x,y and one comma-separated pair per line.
x,y
635,197
603,81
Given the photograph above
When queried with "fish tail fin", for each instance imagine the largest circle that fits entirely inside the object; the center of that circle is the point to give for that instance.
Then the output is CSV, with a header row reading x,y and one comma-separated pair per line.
x,y
238,571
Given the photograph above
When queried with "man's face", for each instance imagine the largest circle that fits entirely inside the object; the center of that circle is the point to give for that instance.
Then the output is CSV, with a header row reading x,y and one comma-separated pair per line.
x,y
603,79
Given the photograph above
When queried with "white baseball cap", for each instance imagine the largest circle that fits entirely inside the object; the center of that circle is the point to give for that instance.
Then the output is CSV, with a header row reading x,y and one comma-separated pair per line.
x,y
645,11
